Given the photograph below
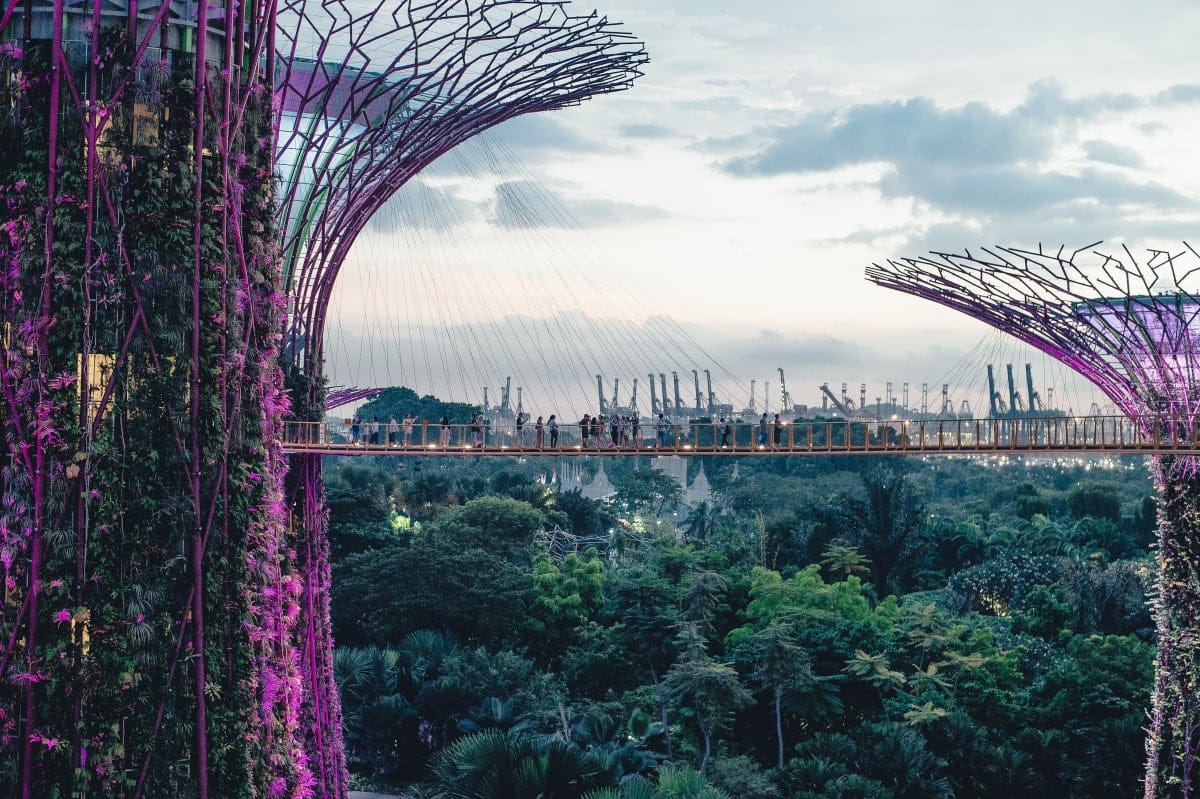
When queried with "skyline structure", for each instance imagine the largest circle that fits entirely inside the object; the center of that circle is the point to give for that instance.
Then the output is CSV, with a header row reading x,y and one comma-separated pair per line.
x,y
1130,325
369,102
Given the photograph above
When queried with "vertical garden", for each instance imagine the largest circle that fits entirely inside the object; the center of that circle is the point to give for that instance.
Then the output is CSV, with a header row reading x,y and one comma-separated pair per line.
x,y
149,583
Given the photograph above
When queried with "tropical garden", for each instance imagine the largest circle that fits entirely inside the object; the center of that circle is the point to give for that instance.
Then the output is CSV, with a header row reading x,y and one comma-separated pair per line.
x,y
817,627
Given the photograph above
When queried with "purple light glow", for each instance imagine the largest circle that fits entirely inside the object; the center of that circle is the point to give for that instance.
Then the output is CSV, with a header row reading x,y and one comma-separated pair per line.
x,y
1121,323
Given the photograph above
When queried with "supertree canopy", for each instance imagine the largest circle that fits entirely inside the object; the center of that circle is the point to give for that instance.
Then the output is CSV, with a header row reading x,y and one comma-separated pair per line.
x,y
368,99
164,619
1130,326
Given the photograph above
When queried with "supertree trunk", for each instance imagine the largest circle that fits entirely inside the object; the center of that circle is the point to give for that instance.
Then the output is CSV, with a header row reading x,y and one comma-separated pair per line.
x,y
1173,739
150,589
322,729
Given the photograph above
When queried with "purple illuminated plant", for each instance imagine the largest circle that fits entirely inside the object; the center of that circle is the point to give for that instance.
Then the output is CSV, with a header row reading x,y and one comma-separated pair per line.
x,y
1130,327
367,100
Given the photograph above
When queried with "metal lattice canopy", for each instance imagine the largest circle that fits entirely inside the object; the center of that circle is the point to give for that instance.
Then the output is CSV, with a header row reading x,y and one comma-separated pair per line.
x,y
1129,325
367,97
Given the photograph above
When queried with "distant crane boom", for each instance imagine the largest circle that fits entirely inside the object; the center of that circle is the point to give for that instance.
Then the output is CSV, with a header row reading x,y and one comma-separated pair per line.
x,y
841,408
505,407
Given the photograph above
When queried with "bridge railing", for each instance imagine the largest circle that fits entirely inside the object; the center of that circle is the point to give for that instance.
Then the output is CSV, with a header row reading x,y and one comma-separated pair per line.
x,y
1036,434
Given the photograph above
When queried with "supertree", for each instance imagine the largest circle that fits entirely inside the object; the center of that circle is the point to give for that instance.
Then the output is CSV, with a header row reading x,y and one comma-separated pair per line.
x,y
150,591
163,625
1131,328
366,100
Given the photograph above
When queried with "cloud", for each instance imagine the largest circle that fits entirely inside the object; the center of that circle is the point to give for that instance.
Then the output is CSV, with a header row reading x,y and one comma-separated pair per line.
x,y
973,159
1014,189
524,204
1110,153
532,136
1180,93
645,131
420,206
1047,102
913,133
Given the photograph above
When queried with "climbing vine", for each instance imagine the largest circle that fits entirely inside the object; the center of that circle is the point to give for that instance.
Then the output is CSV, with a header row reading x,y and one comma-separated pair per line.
x,y
151,588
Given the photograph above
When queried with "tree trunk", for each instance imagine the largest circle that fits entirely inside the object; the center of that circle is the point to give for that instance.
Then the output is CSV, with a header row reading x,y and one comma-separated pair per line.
x,y
707,748
662,704
1174,734
779,724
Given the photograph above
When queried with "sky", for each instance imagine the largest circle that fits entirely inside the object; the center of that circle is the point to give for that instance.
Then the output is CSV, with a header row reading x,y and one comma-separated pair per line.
x,y
720,213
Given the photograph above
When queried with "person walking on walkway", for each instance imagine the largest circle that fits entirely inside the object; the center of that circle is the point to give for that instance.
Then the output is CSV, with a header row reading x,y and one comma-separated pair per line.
x,y
408,429
726,432
355,428
762,431
777,433
585,429
444,438
660,431
539,432
520,426
393,431
553,425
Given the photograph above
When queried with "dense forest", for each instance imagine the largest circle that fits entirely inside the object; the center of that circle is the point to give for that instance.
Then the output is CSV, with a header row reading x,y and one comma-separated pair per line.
x,y
818,627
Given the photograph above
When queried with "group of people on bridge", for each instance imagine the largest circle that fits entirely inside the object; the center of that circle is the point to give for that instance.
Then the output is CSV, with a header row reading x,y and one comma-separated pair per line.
x,y
615,431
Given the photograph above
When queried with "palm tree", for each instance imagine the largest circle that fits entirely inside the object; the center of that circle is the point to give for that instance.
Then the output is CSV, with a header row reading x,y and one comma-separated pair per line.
x,y
701,522
844,560
673,783
711,689
779,664
684,783
424,651
494,764
704,598
920,715
875,670
886,526
375,711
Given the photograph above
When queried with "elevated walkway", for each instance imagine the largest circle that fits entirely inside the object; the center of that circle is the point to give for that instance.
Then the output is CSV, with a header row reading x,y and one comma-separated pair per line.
x,y
1067,435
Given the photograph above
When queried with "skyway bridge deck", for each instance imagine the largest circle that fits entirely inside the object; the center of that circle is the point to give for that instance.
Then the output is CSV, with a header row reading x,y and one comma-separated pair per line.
x,y
1090,435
